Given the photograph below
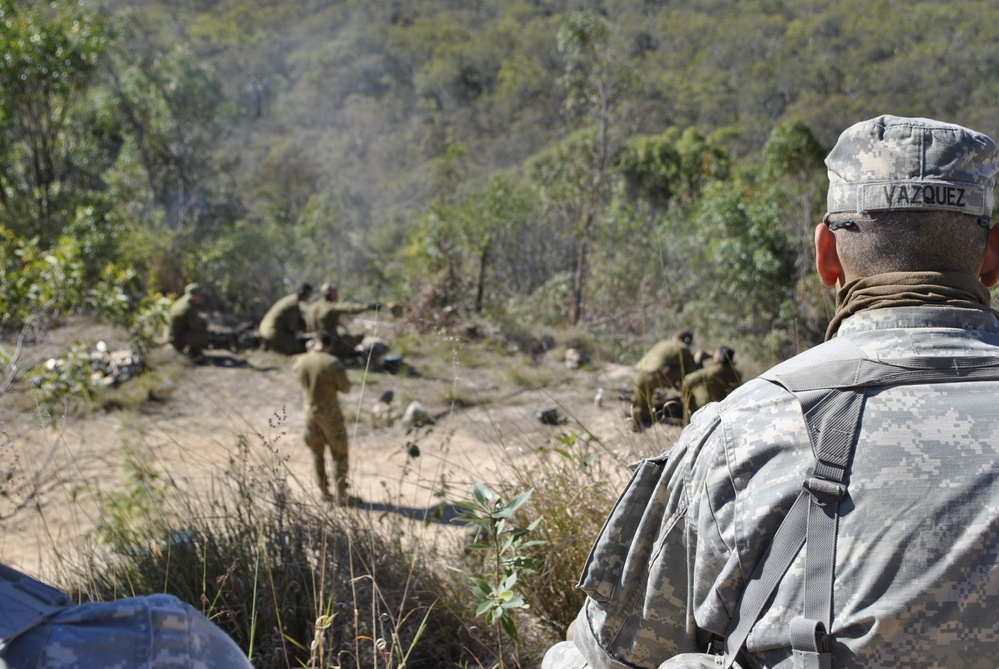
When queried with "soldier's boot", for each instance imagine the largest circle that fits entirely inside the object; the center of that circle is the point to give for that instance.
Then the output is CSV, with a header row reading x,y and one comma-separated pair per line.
x,y
342,498
636,417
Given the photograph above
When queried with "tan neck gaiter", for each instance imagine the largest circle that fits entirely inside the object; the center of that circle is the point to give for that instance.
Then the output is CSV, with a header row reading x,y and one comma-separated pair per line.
x,y
908,289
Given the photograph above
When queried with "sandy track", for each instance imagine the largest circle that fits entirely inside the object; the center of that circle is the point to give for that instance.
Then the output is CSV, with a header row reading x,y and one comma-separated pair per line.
x,y
195,431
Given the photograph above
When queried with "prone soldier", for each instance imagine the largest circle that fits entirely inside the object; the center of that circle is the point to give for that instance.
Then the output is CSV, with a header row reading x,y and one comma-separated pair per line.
x,y
284,320
188,331
662,367
324,314
712,383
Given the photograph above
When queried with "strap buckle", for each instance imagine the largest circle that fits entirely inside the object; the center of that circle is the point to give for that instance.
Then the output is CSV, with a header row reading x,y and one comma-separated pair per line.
x,y
824,491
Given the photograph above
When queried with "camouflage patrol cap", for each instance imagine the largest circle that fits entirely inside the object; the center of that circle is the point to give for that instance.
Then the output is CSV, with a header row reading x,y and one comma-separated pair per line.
x,y
151,632
892,163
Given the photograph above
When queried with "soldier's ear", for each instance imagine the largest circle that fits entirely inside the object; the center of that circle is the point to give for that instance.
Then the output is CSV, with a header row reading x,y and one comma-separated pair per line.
x,y
989,273
827,260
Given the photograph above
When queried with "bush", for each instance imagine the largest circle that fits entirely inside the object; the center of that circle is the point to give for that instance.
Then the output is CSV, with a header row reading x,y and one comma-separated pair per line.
x,y
572,494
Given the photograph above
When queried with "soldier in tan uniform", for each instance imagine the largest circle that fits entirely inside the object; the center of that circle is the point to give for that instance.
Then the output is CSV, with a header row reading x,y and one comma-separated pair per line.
x,y
664,366
323,315
713,383
284,320
322,376
188,331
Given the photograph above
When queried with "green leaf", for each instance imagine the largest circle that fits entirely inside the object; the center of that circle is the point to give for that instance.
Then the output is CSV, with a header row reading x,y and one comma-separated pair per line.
x,y
478,547
519,500
510,627
476,520
514,603
569,439
474,508
483,495
508,582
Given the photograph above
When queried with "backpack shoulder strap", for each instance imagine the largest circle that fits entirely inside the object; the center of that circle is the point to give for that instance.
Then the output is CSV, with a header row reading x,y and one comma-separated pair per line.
x,y
24,604
831,387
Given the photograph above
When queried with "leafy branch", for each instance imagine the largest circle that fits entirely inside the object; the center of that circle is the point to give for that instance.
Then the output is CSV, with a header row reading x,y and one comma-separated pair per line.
x,y
496,596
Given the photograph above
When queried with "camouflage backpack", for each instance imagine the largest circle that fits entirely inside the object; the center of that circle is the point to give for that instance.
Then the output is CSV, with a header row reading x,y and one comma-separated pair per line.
x,y
832,391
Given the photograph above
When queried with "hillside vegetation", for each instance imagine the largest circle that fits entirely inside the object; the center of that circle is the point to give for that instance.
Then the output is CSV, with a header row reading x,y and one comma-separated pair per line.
x,y
562,174
625,165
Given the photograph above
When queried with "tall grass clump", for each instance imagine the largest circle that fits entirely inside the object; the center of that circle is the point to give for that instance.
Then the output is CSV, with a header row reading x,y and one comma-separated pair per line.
x,y
293,582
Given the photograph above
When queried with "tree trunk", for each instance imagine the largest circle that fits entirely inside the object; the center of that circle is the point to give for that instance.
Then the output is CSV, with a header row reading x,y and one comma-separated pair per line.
x,y
480,288
579,280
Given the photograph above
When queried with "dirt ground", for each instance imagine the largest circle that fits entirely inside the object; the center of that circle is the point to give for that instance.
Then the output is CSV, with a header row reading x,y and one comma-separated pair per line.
x,y
485,399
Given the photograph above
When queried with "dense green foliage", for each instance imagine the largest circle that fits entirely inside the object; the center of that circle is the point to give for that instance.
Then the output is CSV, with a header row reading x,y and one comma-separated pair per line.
x,y
626,165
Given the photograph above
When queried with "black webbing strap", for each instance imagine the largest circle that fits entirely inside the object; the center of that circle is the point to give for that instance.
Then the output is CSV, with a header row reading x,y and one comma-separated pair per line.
x,y
832,394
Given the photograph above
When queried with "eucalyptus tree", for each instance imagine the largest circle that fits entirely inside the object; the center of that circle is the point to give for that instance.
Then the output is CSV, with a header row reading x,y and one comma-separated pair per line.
x,y
594,80
166,105
51,52
792,160
793,167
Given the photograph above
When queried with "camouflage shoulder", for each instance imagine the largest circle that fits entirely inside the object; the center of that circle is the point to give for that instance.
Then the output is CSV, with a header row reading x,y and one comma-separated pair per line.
x,y
564,655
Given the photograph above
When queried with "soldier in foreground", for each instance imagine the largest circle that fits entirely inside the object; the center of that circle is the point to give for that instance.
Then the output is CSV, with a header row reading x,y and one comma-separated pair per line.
x,y
188,331
874,453
663,366
284,320
324,314
322,377
711,383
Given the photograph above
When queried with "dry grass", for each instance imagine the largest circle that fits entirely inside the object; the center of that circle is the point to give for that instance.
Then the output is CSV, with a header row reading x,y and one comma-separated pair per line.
x,y
294,583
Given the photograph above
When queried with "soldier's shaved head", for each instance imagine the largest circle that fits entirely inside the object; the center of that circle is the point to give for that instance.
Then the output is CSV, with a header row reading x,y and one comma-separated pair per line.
x,y
908,241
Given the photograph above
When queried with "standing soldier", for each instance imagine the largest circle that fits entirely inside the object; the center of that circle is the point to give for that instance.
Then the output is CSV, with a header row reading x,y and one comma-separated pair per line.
x,y
322,376
324,316
188,331
664,366
712,383
284,320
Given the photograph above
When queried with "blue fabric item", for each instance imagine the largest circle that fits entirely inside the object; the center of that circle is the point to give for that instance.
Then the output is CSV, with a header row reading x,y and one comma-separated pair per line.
x,y
152,632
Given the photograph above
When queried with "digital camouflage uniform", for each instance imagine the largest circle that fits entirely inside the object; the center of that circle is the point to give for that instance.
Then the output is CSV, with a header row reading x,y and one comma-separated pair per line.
x,y
915,581
663,366
188,331
281,324
709,384
916,578
322,376
324,315
153,632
